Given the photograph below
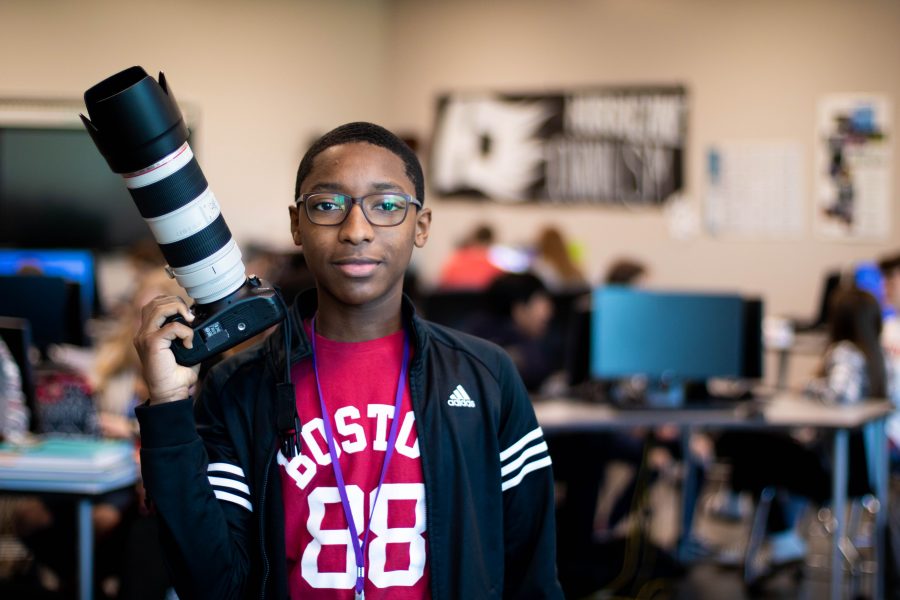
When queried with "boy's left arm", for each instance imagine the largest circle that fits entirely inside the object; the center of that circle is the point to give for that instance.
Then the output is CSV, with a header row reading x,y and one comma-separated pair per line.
x,y
528,498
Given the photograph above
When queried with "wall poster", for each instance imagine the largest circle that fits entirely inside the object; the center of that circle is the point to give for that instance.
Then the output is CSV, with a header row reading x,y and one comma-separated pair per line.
x,y
853,167
605,146
755,189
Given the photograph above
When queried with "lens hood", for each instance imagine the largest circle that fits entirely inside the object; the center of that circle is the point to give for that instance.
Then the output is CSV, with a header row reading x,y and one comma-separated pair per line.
x,y
134,121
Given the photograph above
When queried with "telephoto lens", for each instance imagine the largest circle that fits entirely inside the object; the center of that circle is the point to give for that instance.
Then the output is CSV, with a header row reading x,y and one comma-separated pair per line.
x,y
137,126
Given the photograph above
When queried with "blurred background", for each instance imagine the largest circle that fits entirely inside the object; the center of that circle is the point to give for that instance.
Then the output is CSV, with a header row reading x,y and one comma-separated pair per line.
x,y
261,79
785,171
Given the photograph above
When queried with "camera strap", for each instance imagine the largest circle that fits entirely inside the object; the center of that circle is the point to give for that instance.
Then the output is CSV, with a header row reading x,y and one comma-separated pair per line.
x,y
287,419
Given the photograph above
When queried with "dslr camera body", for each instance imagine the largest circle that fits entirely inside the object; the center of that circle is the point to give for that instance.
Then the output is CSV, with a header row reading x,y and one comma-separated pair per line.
x,y
138,128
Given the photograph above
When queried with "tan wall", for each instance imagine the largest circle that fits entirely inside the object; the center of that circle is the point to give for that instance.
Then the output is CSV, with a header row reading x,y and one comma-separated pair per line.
x,y
754,71
269,74
266,77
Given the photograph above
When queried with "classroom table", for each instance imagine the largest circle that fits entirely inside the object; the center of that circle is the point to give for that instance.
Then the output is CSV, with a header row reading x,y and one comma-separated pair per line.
x,y
781,410
84,493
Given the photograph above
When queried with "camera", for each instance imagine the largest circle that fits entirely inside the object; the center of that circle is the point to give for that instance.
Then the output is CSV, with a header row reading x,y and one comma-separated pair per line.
x,y
138,128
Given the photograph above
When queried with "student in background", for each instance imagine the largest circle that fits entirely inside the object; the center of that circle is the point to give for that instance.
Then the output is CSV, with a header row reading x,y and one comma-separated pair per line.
x,y
626,271
14,416
470,267
854,366
520,312
853,369
890,339
553,263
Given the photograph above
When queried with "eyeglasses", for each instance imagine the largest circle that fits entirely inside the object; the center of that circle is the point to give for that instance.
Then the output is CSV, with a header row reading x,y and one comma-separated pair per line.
x,y
381,209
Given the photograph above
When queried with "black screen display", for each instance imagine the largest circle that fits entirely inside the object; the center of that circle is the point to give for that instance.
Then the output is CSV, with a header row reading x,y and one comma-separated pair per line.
x,y
56,190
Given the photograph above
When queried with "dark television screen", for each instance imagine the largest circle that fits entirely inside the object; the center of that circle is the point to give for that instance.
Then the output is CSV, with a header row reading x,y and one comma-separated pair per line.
x,y
56,191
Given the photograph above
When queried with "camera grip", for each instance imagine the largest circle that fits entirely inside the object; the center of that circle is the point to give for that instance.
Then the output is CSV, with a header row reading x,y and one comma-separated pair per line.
x,y
185,356
217,327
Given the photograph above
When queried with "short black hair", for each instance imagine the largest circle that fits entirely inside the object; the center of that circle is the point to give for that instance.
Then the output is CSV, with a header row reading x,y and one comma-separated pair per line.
x,y
370,133
509,289
624,271
888,264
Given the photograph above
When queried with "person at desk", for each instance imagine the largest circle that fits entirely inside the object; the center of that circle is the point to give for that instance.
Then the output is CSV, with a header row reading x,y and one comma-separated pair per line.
x,y
853,368
470,267
890,340
554,265
13,412
518,319
325,503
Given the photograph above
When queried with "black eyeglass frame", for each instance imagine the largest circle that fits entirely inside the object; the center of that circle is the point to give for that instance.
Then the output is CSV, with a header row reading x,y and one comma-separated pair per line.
x,y
302,199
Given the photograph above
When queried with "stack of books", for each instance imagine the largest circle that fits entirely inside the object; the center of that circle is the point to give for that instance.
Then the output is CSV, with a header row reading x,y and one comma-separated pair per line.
x,y
67,459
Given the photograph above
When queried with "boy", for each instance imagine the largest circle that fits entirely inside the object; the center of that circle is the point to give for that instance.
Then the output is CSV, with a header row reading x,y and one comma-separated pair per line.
x,y
413,466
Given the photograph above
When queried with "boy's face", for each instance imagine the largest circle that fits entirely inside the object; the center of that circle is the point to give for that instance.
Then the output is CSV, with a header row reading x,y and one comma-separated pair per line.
x,y
357,263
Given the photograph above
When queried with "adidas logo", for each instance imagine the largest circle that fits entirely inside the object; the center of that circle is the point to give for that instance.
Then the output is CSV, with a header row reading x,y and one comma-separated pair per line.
x,y
459,397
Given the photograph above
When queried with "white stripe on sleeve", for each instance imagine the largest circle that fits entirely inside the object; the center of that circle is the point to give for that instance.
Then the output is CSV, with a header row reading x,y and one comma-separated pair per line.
x,y
233,498
532,466
531,435
225,467
229,483
514,465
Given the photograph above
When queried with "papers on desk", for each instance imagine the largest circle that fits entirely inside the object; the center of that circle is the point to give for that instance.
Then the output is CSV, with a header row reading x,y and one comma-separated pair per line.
x,y
67,459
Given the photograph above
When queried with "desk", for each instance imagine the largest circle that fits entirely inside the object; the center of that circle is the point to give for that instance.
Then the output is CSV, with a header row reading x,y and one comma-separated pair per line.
x,y
84,492
782,411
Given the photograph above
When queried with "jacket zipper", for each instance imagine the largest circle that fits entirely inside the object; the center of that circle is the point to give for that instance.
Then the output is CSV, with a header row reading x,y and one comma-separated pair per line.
x,y
262,533
416,392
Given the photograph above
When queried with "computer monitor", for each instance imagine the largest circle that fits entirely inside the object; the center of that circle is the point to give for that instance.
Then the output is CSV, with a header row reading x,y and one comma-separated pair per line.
x,y
577,350
752,362
867,276
454,308
51,305
16,334
57,191
670,338
75,265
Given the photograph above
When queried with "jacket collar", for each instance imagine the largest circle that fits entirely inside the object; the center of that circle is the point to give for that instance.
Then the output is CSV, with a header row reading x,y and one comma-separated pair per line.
x,y
304,307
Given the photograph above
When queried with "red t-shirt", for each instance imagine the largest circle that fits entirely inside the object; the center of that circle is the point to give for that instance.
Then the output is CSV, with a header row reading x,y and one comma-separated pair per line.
x,y
359,385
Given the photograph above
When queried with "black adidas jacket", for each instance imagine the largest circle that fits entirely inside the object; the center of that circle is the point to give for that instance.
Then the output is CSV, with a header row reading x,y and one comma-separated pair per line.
x,y
214,481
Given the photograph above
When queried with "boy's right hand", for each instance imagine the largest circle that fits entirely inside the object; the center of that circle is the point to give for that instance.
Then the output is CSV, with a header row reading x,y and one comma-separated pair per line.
x,y
166,380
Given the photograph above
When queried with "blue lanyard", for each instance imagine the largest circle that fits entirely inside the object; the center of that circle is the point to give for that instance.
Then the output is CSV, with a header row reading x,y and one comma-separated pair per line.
x,y
359,548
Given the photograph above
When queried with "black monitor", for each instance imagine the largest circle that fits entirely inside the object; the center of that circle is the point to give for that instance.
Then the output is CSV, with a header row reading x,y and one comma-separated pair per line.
x,y
57,191
752,363
454,308
830,284
16,334
51,305
75,265
578,343
670,338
